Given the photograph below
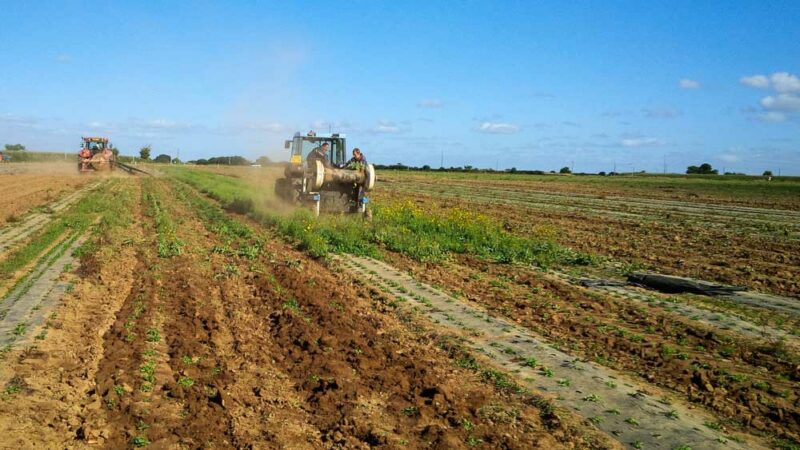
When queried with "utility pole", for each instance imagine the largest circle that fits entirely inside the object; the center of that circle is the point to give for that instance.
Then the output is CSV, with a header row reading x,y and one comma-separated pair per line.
x,y
665,164
441,164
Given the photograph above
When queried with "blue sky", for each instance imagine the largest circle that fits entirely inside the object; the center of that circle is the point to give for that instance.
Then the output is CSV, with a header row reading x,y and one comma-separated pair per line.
x,y
593,85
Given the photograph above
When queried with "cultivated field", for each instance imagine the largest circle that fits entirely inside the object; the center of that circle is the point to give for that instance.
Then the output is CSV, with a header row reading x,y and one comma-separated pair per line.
x,y
192,310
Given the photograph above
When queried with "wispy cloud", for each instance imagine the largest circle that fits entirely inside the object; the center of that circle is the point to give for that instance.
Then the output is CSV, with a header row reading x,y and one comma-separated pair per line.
x,y
686,83
497,128
771,116
781,102
389,127
756,81
661,113
333,125
729,157
430,103
16,119
641,142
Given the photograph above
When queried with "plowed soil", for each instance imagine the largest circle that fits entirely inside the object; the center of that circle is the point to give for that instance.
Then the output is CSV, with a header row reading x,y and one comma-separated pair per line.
x,y
748,384
210,349
35,185
192,327
762,253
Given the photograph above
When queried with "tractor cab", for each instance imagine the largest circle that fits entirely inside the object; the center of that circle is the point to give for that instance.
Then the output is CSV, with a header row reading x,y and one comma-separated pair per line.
x,y
94,144
301,146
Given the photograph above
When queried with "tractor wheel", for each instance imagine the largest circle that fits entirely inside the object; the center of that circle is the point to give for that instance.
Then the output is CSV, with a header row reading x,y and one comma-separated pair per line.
x,y
335,202
285,190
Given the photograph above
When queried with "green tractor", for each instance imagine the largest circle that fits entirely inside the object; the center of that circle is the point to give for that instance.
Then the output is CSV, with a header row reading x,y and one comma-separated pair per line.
x,y
325,184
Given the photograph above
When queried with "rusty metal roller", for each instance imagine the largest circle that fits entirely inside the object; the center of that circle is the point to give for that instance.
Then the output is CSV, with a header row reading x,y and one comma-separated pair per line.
x,y
321,175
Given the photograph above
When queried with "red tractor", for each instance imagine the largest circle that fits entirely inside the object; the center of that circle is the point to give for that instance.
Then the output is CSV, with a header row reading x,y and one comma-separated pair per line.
x,y
96,155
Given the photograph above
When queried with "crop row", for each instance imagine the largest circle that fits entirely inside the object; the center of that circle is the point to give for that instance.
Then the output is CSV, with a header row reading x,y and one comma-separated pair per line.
x,y
168,243
398,226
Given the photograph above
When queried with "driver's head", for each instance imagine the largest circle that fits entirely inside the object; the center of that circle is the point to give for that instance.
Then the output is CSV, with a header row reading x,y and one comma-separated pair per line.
x,y
325,147
357,153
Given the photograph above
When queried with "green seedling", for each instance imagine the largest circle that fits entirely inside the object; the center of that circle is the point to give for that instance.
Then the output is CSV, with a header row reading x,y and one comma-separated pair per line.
x,y
153,335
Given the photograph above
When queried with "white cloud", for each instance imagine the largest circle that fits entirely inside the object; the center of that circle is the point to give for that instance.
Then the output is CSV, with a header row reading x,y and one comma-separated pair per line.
x,y
785,82
784,104
771,116
430,103
386,127
730,157
497,128
781,102
686,83
641,142
756,81
781,82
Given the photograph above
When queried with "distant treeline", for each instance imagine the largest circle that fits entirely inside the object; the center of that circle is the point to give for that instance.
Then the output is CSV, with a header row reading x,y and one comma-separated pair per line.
x,y
230,161
471,169
703,170
29,156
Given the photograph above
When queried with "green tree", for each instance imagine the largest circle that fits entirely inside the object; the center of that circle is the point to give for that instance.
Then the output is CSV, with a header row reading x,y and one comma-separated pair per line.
x,y
14,147
263,160
144,152
703,169
163,159
565,170
767,173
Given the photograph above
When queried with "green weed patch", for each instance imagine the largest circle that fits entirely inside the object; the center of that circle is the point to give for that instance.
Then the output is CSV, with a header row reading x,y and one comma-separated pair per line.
x,y
398,226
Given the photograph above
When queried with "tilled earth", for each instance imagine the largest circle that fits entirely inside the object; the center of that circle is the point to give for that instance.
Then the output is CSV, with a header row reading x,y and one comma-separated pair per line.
x,y
206,330
35,185
669,232
211,348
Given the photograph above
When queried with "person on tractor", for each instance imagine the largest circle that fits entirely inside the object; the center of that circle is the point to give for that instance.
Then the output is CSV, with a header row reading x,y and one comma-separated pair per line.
x,y
357,162
319,154
85,155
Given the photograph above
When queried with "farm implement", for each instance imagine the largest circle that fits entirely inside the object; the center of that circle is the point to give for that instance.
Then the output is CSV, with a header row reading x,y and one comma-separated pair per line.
x,y
324,183
98,155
